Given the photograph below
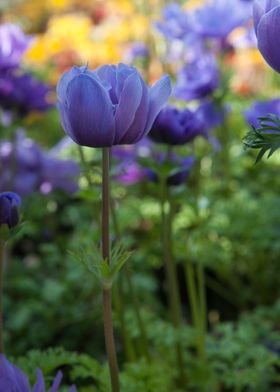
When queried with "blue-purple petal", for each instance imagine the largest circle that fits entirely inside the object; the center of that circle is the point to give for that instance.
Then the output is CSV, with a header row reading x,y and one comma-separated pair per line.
x,y
129,102
268,34
90,112
158,97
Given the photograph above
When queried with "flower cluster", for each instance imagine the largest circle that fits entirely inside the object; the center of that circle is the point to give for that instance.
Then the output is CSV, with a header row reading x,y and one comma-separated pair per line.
x,y
20,92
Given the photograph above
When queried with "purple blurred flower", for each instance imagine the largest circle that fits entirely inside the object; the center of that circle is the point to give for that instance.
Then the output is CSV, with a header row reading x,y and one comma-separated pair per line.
x,y
179,173
131,174
59,174
26,168
12,379
266,21
9,205
137,50
175,127
210,116
23,93
197,79
13,44
109,106
261,109
217,18
176,22
129,170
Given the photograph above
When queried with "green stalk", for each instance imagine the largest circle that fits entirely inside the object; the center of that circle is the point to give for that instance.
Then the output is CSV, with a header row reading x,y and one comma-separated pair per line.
x,y
195,307
107,291
202,298
119,307
171,274
136,306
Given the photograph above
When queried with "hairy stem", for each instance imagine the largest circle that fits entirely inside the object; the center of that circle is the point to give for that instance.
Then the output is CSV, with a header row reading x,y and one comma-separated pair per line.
x,y
107,294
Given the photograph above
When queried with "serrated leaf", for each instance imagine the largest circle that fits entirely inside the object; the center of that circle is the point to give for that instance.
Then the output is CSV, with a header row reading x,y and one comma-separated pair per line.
x,y
266,137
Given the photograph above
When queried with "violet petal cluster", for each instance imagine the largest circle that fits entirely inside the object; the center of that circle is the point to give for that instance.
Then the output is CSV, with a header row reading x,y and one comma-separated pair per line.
x,y
175,127
13,44
23,93
12,379
217,18
176,23
261,109
9,209
109,106
197,79
266,21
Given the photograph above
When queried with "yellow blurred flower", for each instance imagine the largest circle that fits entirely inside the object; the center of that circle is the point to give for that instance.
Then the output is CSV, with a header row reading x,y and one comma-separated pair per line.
x,y
192,4
74,37
64,33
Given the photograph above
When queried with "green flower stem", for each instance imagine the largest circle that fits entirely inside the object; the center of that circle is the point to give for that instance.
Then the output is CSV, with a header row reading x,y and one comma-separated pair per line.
x,y
119,307
202,298
171,275
107,291
196,308
136,306
2,259
144,347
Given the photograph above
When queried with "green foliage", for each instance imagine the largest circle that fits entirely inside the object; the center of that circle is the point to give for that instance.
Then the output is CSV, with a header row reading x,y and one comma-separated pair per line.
x,y
266,137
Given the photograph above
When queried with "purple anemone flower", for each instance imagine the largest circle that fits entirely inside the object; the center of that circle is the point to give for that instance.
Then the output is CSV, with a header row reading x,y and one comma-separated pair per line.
x,y
218,18
261,109
197,79
176,22
109,106
23,93
12,379
13,44
266,21
9,206
175,127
